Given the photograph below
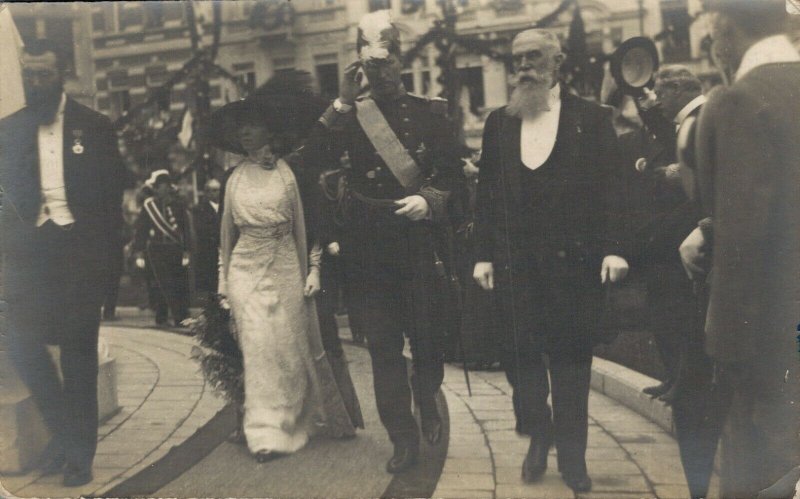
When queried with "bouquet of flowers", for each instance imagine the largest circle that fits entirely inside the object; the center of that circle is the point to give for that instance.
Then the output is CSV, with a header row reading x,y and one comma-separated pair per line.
x,y
218,354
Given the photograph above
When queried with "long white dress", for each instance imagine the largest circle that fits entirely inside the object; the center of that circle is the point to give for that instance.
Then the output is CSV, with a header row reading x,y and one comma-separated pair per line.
x,y
290,392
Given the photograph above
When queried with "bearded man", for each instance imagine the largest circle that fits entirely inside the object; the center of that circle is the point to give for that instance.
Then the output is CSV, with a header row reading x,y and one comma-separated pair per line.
x,y
62,209
546,243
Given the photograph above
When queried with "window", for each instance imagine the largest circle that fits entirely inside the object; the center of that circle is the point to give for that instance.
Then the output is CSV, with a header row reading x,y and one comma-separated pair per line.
x,y
173,13
245,75
677,46
411,6
153,15
156,75
328,78
408,82
60,30
98,21
118,78
379,5
472,80
130,17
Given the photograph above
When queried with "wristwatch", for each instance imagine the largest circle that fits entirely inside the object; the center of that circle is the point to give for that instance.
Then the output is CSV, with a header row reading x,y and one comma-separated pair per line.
x,y
341,107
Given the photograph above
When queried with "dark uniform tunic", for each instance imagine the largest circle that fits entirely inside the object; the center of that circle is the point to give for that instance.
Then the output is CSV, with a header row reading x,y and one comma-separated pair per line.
x,y
389,261
168,277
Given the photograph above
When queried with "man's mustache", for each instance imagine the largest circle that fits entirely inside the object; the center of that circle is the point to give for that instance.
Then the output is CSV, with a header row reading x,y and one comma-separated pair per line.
x,y
531,77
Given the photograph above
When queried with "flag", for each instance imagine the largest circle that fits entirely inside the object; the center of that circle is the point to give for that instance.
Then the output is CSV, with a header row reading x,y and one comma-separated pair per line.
x,y
12,95
185,135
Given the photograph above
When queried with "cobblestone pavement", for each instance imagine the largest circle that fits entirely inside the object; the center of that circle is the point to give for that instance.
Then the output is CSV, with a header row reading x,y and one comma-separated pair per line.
x,y
628,456
163,400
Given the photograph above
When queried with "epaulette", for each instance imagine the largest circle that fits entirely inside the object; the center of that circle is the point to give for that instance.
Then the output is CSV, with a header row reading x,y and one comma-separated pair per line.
x,y
438,105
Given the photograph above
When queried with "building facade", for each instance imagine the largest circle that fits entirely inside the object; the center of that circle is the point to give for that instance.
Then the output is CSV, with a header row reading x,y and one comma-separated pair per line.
x,y
121,51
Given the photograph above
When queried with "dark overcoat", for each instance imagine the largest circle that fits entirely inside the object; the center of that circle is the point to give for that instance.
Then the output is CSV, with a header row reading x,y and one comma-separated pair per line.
x,y
206,248
557,306
94,176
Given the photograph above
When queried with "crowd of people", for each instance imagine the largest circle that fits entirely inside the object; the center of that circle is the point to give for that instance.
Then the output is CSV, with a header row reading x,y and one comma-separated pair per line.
x,y
363,198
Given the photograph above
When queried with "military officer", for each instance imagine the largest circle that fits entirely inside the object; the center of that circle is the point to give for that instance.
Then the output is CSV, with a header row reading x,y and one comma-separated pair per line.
x,y
403,165
160,245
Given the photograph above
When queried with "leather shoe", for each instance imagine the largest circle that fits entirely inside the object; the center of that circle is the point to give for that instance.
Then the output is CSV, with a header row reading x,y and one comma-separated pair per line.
x,y
404,457
579,483
659,389
535,463
669,396
74,477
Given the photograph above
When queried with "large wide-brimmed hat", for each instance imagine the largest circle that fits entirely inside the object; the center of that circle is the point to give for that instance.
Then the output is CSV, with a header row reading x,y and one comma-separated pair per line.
x,y
286,105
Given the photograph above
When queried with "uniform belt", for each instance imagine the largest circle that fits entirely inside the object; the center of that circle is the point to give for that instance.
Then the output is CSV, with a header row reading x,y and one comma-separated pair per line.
x,y
379,203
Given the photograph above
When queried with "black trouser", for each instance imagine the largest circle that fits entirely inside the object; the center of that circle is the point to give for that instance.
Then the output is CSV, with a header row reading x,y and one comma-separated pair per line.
x,y
54,291
169,281
760,440
69,409
567,425
116,266
384,311
697,409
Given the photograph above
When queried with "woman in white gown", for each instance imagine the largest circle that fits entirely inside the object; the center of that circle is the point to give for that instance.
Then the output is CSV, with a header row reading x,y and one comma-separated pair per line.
x,y
269,274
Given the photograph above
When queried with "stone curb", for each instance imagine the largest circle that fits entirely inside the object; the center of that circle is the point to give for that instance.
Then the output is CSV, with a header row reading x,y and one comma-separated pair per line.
x,y
625,386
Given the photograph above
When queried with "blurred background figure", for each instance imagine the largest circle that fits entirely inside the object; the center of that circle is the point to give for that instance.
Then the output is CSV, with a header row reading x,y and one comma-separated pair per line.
x,y
161,245
748,172
670,216
206,219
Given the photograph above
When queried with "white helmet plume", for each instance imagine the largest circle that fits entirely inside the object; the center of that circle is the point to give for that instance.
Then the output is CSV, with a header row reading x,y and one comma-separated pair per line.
x,y
376,35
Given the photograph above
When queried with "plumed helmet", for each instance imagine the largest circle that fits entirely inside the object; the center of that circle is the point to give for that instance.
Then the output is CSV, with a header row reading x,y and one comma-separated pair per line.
x,y
377,36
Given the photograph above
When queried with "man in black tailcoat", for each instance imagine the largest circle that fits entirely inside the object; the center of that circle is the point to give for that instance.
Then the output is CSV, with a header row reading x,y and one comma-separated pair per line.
x,y
546,243
404,162
62,179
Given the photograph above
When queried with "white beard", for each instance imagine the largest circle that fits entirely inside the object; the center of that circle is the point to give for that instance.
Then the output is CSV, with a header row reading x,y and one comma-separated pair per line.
x,y
530,98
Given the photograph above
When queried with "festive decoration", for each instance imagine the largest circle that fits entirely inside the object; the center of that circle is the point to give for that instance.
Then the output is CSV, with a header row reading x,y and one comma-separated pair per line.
x,y
218,354
272,14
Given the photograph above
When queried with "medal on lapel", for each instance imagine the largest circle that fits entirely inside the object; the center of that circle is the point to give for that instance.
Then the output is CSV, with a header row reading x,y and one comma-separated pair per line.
x,y
77,146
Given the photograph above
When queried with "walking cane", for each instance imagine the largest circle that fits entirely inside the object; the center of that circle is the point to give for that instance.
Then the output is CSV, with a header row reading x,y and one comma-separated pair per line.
x,y
455,284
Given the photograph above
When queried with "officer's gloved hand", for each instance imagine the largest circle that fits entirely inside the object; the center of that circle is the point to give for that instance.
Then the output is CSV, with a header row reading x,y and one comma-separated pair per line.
x,y
313,285
649,100
484,275
413,207
139,262
351,83
185,260
613,269
333,249
694,254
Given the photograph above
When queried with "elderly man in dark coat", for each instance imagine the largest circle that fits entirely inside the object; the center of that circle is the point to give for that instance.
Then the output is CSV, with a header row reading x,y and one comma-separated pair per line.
x,y
748,169
546,243
62,207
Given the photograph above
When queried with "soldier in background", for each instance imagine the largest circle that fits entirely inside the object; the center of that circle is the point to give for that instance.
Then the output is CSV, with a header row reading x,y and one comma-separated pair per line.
x,y
404,163
161,245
